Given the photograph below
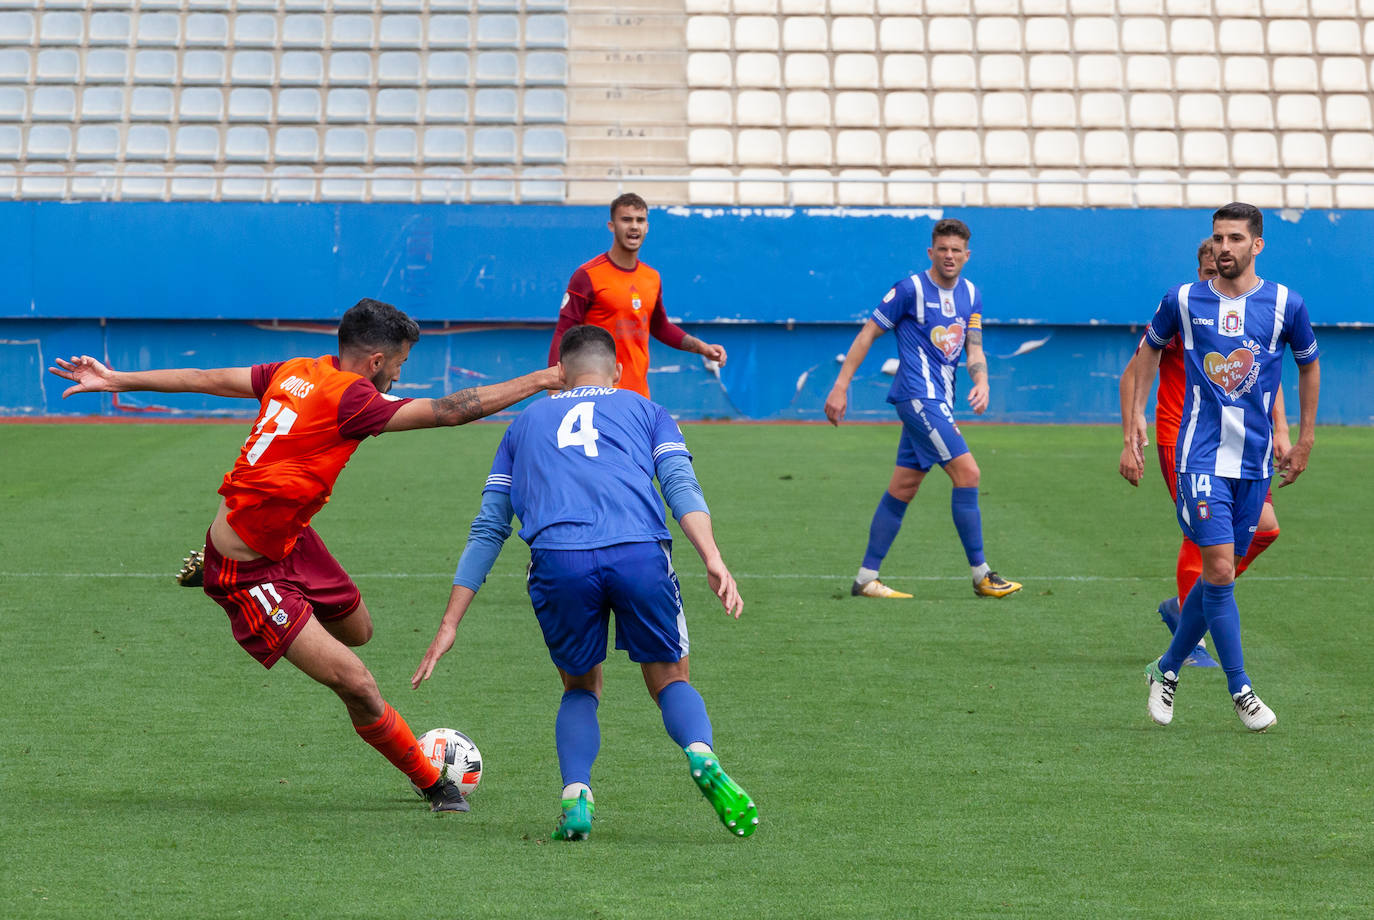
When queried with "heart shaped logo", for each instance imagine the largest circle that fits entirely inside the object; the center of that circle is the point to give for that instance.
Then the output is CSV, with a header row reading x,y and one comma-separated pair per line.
x,y
949,339
1228,371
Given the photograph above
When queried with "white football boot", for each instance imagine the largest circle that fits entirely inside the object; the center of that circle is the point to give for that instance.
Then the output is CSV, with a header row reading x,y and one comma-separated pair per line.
x,y
1253,713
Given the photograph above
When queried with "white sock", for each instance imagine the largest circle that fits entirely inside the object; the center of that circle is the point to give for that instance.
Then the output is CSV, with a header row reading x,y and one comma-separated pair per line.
x,y
979,571
571,790
866,575
1202,643
700,747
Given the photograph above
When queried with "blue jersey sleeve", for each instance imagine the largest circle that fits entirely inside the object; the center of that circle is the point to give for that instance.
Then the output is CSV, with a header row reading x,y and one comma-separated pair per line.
x,y
681,490
668,440
894,304
1164,325
499,479
489,532
1301,338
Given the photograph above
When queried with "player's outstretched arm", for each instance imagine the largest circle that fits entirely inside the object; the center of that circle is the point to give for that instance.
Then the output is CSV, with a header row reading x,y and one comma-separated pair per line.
x,y
459,599
977,363
838,401
1294,462
696,525
473,403
90,376
708,351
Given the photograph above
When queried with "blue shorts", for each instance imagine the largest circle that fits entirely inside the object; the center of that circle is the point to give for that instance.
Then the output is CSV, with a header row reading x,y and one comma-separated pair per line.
x,y
1214,510
929,435
574,592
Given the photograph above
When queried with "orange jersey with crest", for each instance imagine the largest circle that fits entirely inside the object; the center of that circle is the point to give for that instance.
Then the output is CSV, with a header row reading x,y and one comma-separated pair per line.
x,y
1169,395
627,303
313,417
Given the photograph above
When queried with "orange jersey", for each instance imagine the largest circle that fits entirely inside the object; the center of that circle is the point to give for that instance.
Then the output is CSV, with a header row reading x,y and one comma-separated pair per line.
x,y
1169,395
313,417
626,303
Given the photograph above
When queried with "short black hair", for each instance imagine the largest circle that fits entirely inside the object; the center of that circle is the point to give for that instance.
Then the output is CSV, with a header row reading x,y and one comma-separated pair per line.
x,y
587,341
1204,249
371,325
951,227
628,200
1239,210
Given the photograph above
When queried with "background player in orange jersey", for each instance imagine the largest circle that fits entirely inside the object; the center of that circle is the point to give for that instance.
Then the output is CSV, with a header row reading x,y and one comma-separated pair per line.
x,y
285,595
1168,419
622,295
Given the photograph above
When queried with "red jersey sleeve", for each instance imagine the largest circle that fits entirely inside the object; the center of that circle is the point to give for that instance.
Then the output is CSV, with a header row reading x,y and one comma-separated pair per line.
x,y
573,312
262,377
363,411
662,328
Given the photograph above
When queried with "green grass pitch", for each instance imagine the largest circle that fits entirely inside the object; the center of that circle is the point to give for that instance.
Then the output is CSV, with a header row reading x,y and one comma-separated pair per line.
x,y
939,757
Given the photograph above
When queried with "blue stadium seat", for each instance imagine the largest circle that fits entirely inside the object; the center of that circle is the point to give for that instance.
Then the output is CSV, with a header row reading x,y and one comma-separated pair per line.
x,y
250,104
447,32
343,183
446,145
97,142
102,103
395,145
105,29
107,65
445,68
498,31
197,142
398,105
255,30
292,183
498,5
14,104
243,183
395,183
546,6
495,106
10,137
60,28
493,185
348,105
352,68
546,32
15,65
193,183
345,145
545,145
498,68
151,103
207,30
302,68
493,145
545,105
250,67
202,67
62,66
546,68
446,105
147,142
443,184
156,29
350,31
17,28
400,32
202,104
398,68
53,103
302,31
543,185
245,142
299,144
299,105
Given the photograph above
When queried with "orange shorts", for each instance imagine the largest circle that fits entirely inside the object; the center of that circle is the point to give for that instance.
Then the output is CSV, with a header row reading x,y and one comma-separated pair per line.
x,y
269,601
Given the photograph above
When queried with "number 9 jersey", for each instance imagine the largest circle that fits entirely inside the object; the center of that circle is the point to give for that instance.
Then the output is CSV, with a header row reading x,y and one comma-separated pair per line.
x,y
579,468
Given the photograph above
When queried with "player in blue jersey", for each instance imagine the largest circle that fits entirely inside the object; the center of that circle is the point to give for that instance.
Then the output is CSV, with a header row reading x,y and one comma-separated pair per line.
x,y
1234,329
578,470
938,317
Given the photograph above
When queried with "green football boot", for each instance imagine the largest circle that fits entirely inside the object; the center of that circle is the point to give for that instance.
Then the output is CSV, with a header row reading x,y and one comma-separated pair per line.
x,y
576,822
732,804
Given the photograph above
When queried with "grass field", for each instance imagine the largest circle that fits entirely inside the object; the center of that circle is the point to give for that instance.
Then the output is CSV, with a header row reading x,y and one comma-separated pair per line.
x,y
939,757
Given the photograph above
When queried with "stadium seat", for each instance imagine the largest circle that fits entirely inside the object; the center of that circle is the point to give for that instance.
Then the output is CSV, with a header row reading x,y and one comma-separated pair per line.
x,y
102,103
498,31
811,194
151,103
986,8
949,34
1303,150
245,67
856,110
245,142
544,145
446,68
400,145
1005,110
808,147
107,65
543,184
1058,110
997,33
302,31
1105,194
443,105
1262,189
757,107
1241,36
1055,148
400,32
1344,75
350,31
805,33
954,190
1197,72
493,185
758,147
61,66
1205,148
197,142
147,142
853,33
1009,189
1006,148
1100,71
145,187
904,71
1339,9
1144,35
1152,110
551,32
951,71
1298,112
255,30
788,7
14,104
250,104
1239,9
1277,9
207,30
53,103
545,105
762,193
910,191
302,68
1045,7
202,104
955,110
957,148
1295,75
398,106
908,148
105,29
342,183
298,144
710,68
546,68
498,5
1149,72
444,184
97,142
1352,150
159,29
1106,148
806,71
708,107
17,28
858,148
446,145
755,69
906,110
1200,110
1069,194
495,106
348,105
1105,110
700,191
1250,111
1162,191
1352,195
1206,187
860,194
1245,74
710,146
192,182
497,68
1309,196
808,108
398,68
292,183
1001,71
1047,34
447,32
1348,113
1094,33
1192,36
845,7
203,67
1289,36
756,33
10,142
349,68
1255,150
1051,71
243,183
1154,149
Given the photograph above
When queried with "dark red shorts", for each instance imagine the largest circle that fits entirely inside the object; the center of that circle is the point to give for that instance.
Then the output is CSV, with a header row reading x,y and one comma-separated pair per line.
x,y
268,602
1167,466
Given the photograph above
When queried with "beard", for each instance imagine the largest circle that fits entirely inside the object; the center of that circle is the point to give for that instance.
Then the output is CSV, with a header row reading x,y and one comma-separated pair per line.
x,y
1235,268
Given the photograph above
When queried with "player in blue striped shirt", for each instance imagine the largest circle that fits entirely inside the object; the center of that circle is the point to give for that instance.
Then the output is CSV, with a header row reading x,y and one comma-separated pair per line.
x,y
578,470
1234,329
937,316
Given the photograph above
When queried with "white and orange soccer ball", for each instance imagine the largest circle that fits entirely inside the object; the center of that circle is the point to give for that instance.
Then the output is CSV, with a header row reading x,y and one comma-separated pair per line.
x,y
455,755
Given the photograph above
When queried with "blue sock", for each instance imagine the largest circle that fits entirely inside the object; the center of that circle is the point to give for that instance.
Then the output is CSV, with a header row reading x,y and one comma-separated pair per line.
x,y
963,504
887,520
1192,626
1223,619
684,714
577,735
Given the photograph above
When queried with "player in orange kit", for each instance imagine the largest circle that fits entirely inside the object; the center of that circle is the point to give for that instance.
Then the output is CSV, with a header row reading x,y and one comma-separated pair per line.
x,y
623,295
285,594
1168,419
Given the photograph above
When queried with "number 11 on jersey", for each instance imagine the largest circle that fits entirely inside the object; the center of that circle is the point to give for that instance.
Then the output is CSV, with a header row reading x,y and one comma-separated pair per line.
x,y
584,435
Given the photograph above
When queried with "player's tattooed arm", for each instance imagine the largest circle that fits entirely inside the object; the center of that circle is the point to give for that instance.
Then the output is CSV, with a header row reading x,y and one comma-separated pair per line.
x,y
458,408
978,366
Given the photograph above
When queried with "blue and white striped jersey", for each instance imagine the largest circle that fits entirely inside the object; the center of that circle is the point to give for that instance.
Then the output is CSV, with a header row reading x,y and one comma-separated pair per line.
x,y
579,468
932,323
1233,360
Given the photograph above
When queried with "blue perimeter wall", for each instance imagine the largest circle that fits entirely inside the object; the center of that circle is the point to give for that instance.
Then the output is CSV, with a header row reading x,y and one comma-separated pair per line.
x,y
147,285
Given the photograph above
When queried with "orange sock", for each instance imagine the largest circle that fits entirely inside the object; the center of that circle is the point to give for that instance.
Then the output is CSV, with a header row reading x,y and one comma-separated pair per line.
x,y
1258,544
1189,568
393,738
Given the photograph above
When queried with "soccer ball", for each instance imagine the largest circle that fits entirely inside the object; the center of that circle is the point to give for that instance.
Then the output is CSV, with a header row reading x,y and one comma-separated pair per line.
x,y
455,755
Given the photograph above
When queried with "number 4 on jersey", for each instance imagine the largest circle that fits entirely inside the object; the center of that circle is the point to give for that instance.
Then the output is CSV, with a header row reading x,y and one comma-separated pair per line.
x,y
584,435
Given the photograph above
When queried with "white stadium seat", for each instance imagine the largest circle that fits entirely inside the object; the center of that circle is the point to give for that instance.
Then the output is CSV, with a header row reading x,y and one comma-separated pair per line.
x,y
947,34
1205,148
856,71
756,33
1102,110
906,110
1200,110
1155,149
1191,36
758,147
1056,148
808,147
1303,150
905,71
1352,150
1348,113
1100,71
1250,111
952,71
1289,36
762,193
1276,9
1006,148
1005,110
1069,194
1146,72
1260,188
1044,33
955,110
1058,110
1001,71
1094,33
757,107
859,194
999,33
806,71
805,33
708,33
1298,112
808,109
1144,35
958,148
1255,150
1295,75
757,69
859,148
1197,72
901,33
908,148
856,110
852,33
1151,110
1242,74
708,107
1241,36
1344,75
710,146
1106,148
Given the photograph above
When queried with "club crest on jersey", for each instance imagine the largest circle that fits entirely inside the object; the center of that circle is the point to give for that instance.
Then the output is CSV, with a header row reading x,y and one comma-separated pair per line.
x,y
949,339
1203,511
1233,321
947,306
635,302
